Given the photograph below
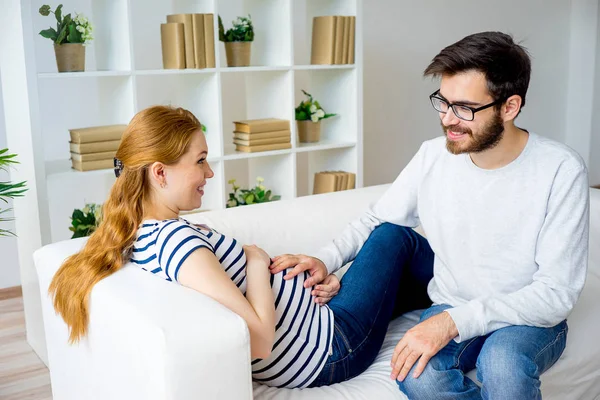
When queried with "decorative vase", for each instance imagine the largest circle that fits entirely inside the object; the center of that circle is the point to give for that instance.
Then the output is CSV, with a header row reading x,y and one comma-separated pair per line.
x,y
308,131
70,57
238,53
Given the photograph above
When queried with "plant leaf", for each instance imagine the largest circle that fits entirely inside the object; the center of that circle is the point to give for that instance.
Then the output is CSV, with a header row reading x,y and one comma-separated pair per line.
x,y
45,10
58,13
74,35
49,33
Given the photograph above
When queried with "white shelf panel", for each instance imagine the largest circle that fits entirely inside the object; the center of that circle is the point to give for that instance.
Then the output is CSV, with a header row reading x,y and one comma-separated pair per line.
x,y
319,67
322,145
255,69
187,71
85,74
61,169
239,155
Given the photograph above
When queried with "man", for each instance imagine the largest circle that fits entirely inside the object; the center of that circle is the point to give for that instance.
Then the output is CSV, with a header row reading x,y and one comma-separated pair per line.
x,y
506,215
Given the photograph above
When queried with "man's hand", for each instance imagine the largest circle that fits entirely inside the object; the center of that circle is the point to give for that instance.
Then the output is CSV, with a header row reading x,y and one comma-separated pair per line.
x,y
300,263
327,289
422,342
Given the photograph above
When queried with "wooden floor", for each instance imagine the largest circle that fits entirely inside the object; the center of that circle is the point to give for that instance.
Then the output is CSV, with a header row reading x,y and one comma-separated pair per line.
x,y
22,375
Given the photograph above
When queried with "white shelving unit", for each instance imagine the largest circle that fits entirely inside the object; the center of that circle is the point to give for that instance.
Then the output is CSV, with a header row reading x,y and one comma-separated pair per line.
x,y
124,75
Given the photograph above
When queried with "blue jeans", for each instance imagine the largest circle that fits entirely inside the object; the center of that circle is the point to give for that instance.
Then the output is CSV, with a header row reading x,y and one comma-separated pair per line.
x,y
509,363
388,278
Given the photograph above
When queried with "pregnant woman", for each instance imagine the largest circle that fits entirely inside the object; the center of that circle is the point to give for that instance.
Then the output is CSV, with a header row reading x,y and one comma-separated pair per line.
x,y
296,341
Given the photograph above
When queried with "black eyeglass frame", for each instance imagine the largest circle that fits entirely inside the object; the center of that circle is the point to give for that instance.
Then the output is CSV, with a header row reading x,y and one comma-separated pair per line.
x,y
452,105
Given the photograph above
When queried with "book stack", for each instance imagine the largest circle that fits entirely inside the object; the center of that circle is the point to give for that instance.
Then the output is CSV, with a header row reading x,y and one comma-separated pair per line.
x,y
188,41
333,181
254,135
333,40
95,147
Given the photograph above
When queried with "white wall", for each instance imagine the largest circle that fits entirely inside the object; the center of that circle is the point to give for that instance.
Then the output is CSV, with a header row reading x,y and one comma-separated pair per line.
x,y
401,38
594,167
9,265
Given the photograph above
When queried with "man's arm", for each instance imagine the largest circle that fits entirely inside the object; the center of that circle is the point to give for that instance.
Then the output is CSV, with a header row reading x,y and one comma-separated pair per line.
x,y
561,254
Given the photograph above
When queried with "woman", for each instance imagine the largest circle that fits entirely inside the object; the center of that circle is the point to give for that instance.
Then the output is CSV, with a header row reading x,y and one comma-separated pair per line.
x,y
162,170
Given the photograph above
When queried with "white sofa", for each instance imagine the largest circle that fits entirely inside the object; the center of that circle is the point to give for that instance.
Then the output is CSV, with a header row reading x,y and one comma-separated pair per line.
x,y
150,339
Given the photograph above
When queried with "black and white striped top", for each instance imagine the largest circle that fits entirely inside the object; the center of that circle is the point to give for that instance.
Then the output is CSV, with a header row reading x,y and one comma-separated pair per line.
x,y
304,330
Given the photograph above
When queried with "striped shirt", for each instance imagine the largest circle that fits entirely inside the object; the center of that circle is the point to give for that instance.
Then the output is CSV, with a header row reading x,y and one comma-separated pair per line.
x,y
303,331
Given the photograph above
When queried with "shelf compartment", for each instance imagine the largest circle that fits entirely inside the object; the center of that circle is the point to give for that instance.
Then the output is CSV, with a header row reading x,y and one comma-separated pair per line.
x,y
271,20
109,51
79,103
309,163
197,93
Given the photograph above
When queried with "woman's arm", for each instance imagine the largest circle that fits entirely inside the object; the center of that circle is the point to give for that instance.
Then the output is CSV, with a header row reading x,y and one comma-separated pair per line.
x,y
201,271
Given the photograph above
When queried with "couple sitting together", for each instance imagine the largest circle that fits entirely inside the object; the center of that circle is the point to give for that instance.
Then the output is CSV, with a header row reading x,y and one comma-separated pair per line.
x,y
506,216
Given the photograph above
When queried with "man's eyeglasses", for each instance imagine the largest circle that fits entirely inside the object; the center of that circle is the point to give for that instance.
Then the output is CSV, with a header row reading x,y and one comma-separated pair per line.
x,y
463,112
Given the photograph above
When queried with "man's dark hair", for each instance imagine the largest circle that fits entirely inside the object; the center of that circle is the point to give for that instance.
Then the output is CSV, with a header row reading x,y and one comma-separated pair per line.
x,y
505,64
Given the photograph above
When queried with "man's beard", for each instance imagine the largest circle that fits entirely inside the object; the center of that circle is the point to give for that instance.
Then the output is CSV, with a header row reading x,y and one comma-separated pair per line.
x,y
489,136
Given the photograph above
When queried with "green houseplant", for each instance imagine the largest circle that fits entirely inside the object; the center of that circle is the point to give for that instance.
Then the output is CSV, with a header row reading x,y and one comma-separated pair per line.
x,y
86,220
69,37
8,190
237,41
258,194
309,114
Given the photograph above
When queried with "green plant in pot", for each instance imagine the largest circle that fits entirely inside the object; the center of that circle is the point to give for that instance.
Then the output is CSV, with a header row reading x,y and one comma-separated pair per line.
x,y
237,41
242,197
86,220
309,114
69,37
8,190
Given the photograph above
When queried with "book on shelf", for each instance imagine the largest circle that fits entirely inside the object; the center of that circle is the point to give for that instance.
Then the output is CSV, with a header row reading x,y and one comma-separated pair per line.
x,y
105,155
351,40
323,40
264,147
172,43
92,165
333,181
188,36
261,125
97,133
199,40
94,147
262,135
209,40
258,142
333,39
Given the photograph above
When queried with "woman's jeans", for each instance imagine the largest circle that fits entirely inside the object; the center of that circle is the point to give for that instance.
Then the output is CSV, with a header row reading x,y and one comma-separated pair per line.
x,y
509,363
388,278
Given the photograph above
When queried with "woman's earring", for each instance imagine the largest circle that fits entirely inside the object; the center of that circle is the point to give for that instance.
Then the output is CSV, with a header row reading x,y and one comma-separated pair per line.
x,y
162,185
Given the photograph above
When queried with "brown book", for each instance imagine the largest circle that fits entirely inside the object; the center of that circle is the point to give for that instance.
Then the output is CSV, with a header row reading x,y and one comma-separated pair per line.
x,y
324,183
94,147
97,133
339,40
346,40
198,33
261,125
106,155
351,181
323,40
264,147
172,44
92,165
262,135
209,40
344,183
188,34
351,40
258,142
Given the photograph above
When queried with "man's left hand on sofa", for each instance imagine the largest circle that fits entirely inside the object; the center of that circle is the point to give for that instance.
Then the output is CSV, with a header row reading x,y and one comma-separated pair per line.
x,y
422,342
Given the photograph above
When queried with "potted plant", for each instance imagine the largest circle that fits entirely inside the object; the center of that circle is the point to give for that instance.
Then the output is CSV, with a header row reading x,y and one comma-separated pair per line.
x,y
86,220
309,114
237,41
242,197
69,37
8,190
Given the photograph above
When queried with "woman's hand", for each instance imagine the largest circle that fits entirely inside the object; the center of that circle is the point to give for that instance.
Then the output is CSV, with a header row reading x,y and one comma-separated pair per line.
x,y
326,290
255,254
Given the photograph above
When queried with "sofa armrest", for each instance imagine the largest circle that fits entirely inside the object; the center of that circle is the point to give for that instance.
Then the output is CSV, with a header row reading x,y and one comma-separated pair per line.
x,y
147,338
